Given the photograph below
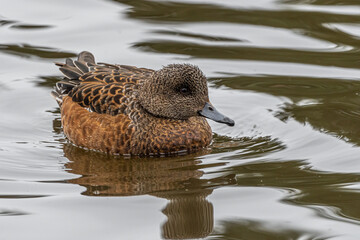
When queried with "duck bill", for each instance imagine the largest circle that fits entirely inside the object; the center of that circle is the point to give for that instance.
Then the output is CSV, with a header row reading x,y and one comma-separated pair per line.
x,y
209,111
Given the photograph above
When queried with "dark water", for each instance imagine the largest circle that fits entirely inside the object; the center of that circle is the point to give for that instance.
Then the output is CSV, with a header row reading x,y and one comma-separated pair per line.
x,y
287,71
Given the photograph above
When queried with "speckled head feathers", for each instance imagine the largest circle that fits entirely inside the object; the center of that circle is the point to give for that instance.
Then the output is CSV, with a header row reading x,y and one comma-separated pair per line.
x,y
176,91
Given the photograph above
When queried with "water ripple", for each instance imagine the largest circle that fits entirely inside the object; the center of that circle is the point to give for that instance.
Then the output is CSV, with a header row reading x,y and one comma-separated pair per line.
x,y
27,50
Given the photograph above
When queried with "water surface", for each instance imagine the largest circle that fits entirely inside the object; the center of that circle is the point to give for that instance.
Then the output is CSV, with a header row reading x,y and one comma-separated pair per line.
x,y
286,71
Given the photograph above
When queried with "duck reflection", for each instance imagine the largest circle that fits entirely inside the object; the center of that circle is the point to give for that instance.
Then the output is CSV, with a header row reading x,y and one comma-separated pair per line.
x,y
177,179
189,215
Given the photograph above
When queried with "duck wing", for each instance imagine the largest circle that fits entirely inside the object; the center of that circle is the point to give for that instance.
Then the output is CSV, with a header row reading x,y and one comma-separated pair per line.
x,y
100,87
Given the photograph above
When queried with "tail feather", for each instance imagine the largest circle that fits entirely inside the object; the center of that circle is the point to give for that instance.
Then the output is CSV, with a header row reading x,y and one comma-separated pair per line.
x,y
86,57
57,96
72,71
69,62
81,66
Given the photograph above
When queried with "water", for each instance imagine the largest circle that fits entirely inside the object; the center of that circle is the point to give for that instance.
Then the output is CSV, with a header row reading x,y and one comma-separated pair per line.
x,y
286,71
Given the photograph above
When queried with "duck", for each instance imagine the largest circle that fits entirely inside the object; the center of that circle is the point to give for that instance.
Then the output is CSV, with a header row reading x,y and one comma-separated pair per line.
x,y
128,110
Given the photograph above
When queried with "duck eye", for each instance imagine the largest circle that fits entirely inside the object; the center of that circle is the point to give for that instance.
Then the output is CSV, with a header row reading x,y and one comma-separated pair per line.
x,y
184,90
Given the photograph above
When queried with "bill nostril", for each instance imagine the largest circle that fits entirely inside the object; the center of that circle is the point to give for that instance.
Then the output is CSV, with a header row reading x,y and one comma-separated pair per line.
x,y
209,111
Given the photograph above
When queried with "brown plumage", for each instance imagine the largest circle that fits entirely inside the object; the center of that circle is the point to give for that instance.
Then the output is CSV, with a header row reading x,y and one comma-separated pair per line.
x,y
122,109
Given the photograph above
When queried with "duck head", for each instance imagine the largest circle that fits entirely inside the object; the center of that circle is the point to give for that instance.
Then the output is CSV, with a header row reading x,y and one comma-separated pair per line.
x,y
179,91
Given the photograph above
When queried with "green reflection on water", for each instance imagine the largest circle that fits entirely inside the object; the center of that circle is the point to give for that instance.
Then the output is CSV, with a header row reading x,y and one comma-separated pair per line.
x,y
329,105
323,2
26,50
312,24
315,187
250,229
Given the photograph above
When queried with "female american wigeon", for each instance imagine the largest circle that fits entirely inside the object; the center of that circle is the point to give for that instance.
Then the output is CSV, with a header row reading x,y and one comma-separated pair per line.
x,y
122,109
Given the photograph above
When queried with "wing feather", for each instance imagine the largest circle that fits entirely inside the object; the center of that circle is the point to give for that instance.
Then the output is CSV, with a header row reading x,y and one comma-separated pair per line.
x,y
102,88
